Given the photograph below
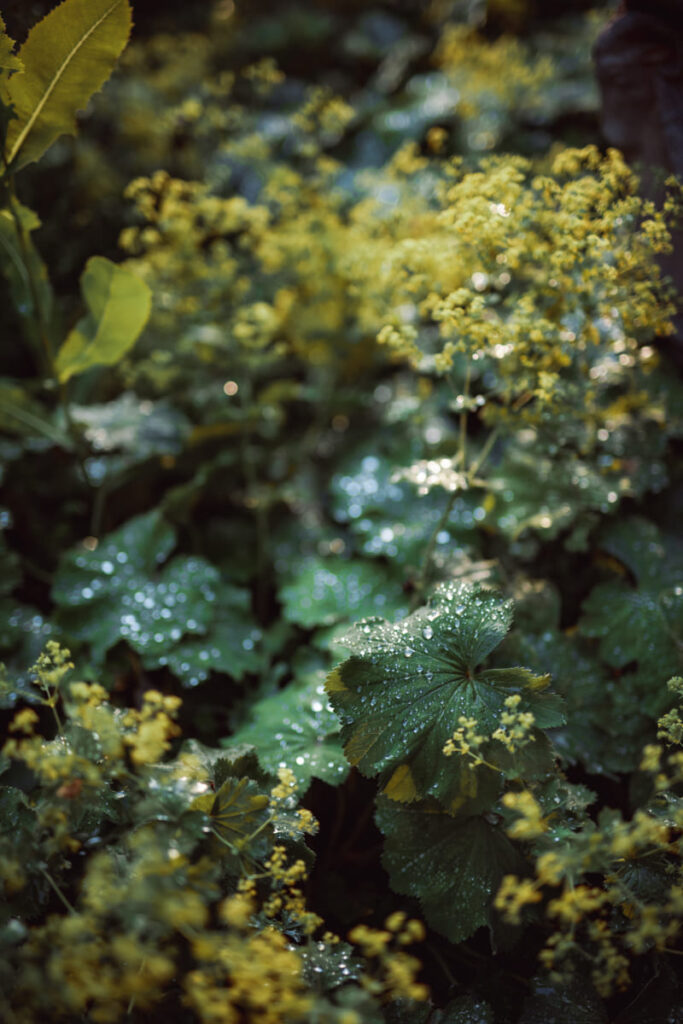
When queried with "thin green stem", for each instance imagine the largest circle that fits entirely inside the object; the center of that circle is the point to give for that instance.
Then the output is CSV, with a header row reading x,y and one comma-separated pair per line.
x,y
422,580
48,877
34,423
51,701
423,577
131,1002
463,419
484,453
261,512
442,964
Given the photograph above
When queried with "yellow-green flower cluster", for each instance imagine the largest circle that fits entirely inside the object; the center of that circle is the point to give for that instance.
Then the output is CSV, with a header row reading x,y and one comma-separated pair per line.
x,y
500,74
514,732
392,973
582,913
116,843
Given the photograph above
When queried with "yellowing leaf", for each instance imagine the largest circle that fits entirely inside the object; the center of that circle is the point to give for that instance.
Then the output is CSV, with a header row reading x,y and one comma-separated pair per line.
x,y
8,60
119,304
401,785
67,57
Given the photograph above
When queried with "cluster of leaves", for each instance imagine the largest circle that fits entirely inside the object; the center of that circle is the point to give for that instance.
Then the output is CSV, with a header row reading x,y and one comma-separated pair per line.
x,y
350,386
140,886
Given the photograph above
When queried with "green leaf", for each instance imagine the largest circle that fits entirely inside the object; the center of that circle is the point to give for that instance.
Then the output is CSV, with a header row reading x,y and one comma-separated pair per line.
x,y
232,644
238,813
329,966
180,615
22,265
641,623
9,65
466,1010
330,590
8,59
453,866
606,727
119,304
110,594
570,487
66,58
390,519
23,627
139,427
575,1002
401,694
297,729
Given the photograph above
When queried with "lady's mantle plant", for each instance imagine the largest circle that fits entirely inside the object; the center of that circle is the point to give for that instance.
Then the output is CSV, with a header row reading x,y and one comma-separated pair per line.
x,y
354,388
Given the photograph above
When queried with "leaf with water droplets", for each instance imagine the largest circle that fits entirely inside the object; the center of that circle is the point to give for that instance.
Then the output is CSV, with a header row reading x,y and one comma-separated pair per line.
x,y
232,643
325,591
516,504
120,592
138,427
328,966
297,729
640,623
466,1010
453,866
402,693
387,515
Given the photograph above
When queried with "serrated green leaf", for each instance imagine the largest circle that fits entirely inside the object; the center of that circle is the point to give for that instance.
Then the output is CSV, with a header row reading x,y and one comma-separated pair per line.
x,y
453,866
642,623
330,590
328,966
232,643
297,729
66,58
180,615
119,305
401,694
233,761
641,547
8,59
114,593
570,487
389,518
606,724
238,812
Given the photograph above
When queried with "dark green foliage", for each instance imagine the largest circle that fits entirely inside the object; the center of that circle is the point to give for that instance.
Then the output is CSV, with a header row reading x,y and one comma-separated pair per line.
x,y
121,592
405,688
452,865
330,398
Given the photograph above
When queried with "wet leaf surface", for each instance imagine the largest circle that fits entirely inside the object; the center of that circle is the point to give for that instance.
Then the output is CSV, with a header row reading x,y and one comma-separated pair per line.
x,y
401,694
452,866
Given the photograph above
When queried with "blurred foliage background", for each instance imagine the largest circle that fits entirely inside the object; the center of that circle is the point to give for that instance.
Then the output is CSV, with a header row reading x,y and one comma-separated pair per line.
x,y
403,334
